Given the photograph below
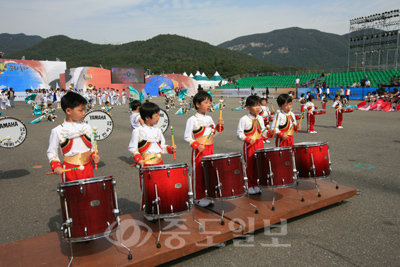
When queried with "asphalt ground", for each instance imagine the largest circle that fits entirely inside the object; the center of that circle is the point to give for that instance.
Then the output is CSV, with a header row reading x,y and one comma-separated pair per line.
x,y
361,231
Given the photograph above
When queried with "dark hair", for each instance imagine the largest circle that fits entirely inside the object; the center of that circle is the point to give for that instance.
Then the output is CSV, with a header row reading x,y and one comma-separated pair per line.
x,y
284,98
135,104
311,97
107,102
253,100
263,99
200,97
148,109
72,100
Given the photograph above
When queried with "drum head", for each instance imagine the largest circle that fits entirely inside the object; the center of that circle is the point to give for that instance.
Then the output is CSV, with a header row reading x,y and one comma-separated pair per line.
x,y
310,144
102,121
222,156
12,132
85,181
163,167
163,122
270,149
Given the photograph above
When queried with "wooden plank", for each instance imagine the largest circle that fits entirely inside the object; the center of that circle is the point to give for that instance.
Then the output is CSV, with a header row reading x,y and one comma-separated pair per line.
x,y
288,204
180,236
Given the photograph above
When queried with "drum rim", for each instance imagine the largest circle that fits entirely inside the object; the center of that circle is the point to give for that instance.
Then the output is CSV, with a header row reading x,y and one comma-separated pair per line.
x,y
227,198
86,181
112,126
163,167
26,131
219,156
270,149
92,237
306,143
167,215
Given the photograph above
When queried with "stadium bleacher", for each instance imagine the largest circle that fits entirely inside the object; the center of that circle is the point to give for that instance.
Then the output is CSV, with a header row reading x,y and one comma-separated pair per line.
x,y
333,80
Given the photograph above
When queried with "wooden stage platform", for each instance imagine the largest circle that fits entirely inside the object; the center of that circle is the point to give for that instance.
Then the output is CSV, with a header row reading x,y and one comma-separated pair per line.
x,y
180,236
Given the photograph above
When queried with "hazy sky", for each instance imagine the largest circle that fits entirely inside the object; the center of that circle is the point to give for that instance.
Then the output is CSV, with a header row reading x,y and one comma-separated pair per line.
x,y
122,21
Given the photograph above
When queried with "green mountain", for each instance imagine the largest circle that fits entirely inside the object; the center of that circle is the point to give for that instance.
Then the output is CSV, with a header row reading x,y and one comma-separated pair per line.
x,y
295,47
10,43
163,53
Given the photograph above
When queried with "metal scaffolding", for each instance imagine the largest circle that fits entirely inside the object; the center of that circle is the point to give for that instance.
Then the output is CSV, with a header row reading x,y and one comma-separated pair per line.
x,y
374,42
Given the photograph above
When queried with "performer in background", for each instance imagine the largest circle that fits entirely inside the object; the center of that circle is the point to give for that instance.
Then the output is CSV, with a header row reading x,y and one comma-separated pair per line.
x,y
338,111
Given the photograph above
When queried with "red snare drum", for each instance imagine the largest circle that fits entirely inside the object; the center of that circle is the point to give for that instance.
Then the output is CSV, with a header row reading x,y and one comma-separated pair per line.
x,y
319,111
298,116
170,185
89,208
275,167
225,170
312,159
346,110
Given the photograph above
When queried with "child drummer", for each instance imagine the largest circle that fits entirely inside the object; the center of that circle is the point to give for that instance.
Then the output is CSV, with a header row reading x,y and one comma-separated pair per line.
x,y
251,130
310,115
199,133
75,139
264,113
147,141
284,123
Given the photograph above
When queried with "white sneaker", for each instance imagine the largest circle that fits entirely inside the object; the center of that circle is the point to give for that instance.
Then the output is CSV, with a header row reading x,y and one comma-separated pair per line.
x,y
339,127
252,191
313,132
149,218
267,141
257,189
204,202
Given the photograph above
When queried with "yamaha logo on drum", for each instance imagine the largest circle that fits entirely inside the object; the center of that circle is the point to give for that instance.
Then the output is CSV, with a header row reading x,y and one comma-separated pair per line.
x,y
8,124
97,117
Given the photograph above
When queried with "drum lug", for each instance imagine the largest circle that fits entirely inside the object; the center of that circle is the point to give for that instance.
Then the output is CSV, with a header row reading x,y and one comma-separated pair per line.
x,y
258,181
144,207
81,189
116,211
184,171
280,154
283,181
265,155
229,162
149,175
323,173
206,192
187,205
168,173
306,149
104,186
108,225
60,191
320,148
114,183
202,164
212,163
86,231
172,209
233,192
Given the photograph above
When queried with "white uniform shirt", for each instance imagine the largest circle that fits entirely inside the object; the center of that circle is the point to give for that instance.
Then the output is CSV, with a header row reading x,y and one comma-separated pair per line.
x,y
194,123
282,118
152,135
246,123
69,130
135,120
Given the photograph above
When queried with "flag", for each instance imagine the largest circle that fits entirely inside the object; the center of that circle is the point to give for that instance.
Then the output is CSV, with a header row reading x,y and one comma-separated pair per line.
x,y
31,97
37,120
179,112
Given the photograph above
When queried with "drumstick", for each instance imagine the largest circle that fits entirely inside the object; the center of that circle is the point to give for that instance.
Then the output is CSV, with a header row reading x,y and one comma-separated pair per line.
x,y
258,136
172,136
208,137
276,120
7,138
95,145
272,108
81,168
158,156
220,115
302,116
